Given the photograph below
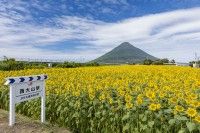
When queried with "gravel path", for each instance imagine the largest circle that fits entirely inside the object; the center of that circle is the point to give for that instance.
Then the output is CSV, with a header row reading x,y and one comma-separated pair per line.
x,y
26,125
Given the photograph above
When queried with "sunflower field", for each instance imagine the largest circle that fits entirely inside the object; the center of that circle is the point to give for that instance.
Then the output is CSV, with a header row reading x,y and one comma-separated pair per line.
x,y
116,99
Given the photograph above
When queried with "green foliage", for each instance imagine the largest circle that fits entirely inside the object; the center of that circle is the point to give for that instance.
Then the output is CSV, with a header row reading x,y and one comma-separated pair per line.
x,y
68,65
11,64
147,62
172,61
74,64
81,114
92,64
165,60
157,62
191,126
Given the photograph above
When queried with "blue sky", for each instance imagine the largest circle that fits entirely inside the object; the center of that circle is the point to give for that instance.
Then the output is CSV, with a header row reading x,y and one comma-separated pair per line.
x,y
85,29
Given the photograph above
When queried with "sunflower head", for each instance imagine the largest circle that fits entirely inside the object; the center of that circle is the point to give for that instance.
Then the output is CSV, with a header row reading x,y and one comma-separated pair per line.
x,y
197,118
154,107
129,105
151,95
179,108
191,112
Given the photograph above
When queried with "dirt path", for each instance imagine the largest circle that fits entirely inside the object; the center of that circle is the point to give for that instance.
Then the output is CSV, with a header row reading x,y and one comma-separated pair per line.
x,y
26,125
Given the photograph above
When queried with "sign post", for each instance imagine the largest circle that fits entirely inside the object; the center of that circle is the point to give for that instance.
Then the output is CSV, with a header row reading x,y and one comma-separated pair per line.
x,y
43,104
23,89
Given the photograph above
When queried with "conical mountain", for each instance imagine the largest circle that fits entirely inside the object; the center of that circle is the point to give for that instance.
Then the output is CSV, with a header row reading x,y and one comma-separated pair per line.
x,y
124,53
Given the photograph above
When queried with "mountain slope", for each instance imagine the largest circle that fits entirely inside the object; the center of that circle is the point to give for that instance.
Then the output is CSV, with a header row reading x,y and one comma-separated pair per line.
x,y
124,53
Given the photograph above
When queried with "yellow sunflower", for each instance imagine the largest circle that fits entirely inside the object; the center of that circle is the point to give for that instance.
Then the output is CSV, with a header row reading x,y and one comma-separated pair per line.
x,y
191,112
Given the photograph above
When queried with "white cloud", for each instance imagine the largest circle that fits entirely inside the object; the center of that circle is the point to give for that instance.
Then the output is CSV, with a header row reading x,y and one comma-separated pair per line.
x,y
139,28
172,34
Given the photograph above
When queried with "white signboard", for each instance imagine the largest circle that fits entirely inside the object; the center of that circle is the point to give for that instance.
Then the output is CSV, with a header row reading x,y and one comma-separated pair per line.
x,y
27,91
26,88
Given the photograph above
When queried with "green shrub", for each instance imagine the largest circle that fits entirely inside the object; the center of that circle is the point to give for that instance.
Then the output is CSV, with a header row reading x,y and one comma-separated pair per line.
x,y
147,62
11,64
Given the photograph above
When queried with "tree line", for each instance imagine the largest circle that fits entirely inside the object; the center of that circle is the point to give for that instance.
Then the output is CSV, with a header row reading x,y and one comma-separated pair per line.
x,y
9,64
158,62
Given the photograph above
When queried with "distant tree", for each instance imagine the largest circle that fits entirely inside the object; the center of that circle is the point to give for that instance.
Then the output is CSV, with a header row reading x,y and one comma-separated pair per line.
x,y
147,62
172,61
165,60
91,64
9,64
131,63
5,58
9,59
157,62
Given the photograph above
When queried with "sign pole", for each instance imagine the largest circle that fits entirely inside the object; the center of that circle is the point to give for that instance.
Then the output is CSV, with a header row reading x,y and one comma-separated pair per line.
x,y
12,107
43,104
25,88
